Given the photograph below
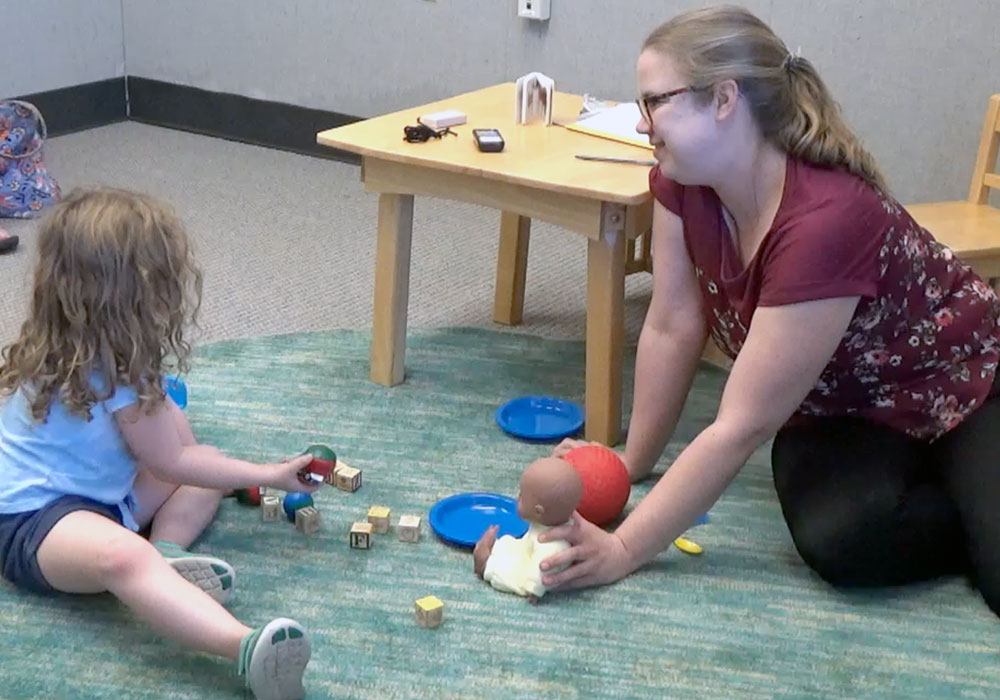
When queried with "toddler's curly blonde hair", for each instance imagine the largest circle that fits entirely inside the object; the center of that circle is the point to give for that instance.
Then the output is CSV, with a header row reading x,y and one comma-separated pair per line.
x,y
115,286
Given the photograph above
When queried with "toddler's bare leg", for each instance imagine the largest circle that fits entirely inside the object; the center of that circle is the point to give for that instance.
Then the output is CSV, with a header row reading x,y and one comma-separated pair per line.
x,y
88,553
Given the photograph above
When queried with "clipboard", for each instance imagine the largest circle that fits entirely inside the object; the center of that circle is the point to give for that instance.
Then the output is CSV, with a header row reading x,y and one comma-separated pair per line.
x,y
616,123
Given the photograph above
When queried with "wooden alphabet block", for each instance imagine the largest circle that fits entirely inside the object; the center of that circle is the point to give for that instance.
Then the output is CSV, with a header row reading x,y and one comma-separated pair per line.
x,y
331,477
378,516
348,478
430,611
270,508
408,528
361,536
307,520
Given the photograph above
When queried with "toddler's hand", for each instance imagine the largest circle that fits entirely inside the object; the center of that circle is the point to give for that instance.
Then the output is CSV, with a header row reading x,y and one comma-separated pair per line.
x,y
285,475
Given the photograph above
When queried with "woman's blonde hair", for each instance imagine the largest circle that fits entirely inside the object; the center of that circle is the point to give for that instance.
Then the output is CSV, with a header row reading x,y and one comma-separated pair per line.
x,y
786,96
115,284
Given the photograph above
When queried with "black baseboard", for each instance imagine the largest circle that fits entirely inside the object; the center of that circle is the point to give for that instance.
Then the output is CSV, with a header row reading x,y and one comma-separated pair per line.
x,y
81,106
261,122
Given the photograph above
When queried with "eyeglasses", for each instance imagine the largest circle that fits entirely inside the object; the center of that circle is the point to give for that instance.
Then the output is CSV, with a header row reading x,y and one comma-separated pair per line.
x,y
650,102
421,133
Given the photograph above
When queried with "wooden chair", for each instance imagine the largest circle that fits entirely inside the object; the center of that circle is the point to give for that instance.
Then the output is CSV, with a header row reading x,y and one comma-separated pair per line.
x,y
972,228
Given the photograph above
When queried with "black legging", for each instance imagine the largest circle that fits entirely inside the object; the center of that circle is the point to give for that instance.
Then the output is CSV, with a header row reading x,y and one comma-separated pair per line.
x,y
869,506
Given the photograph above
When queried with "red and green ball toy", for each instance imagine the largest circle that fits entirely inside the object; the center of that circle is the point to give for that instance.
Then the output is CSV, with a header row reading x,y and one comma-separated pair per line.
x,y
248,497
323,463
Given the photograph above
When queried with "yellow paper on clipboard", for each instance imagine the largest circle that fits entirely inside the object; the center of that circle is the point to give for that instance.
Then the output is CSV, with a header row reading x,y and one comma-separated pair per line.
x,y
616,123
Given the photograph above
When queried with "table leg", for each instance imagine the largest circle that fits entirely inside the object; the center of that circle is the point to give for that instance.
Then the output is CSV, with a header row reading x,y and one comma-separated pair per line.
x,y
605,327
392,288
512,267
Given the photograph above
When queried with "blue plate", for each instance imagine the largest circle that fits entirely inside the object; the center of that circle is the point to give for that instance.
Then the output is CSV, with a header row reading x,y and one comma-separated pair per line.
x,y
463,518
540,418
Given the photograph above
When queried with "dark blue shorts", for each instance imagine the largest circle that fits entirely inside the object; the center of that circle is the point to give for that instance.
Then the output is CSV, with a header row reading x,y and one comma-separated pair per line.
x,y
22,533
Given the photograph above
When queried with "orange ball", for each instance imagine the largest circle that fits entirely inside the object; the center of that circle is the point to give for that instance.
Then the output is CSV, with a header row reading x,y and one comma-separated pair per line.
x,y
606,485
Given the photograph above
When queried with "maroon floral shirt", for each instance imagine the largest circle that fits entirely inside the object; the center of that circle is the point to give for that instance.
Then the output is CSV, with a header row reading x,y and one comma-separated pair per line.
x,y
920,353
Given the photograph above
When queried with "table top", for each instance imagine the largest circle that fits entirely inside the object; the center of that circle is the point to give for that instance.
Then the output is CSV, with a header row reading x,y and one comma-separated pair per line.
x,y
535,155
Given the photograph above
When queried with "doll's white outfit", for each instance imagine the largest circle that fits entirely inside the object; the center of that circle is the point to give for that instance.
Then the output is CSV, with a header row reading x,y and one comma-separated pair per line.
x,y
514,564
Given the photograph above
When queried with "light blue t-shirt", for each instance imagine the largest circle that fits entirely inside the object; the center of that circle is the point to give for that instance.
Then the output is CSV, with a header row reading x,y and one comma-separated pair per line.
x,y
65,455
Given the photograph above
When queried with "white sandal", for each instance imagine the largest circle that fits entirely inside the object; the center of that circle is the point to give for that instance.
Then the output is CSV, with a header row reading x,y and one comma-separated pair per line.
x,y
211,574
273,659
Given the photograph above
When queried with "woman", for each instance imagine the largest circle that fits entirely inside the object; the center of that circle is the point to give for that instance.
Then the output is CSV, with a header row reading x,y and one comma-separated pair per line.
x,y
861,344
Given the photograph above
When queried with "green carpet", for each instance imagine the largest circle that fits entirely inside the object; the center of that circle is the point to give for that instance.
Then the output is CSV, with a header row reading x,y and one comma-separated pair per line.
x,y
745,620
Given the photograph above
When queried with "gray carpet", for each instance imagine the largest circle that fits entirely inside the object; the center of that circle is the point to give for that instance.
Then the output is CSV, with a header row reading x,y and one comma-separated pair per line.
x,y
745,620
288,241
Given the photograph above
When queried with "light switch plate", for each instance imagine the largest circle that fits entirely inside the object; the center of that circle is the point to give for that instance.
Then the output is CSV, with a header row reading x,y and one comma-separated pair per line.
x,y
534,9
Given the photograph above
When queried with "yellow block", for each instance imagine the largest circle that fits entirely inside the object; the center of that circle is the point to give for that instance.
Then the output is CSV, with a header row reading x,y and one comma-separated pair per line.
x,y
429,603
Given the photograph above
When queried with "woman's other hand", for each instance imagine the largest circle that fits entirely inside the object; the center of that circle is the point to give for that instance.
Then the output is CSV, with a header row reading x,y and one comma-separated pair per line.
x,y
594,558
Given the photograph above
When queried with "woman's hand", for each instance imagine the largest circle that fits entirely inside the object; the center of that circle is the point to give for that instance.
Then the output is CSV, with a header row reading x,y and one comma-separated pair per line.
x,y
284,475
594,557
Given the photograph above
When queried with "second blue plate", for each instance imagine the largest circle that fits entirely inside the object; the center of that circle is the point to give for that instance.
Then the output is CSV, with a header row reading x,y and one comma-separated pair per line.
x,y
540,418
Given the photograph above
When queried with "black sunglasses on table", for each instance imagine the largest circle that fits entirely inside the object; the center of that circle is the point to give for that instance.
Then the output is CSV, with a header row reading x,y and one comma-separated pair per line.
x,y
421,133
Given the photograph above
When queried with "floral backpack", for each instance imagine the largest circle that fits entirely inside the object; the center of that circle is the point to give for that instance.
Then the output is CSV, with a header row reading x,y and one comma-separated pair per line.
x,y
25,186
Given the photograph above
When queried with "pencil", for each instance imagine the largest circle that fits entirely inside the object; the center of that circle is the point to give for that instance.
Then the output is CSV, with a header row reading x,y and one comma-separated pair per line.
x,y
610,159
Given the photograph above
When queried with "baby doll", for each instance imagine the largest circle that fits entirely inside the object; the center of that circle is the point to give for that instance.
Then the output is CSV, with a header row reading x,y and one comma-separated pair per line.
x,y
550,490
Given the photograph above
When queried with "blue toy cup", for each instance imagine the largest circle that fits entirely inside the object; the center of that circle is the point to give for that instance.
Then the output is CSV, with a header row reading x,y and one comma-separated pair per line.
x,y
177,390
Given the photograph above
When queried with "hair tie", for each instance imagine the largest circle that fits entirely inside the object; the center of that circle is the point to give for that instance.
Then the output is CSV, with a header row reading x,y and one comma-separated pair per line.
x,y
793,60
